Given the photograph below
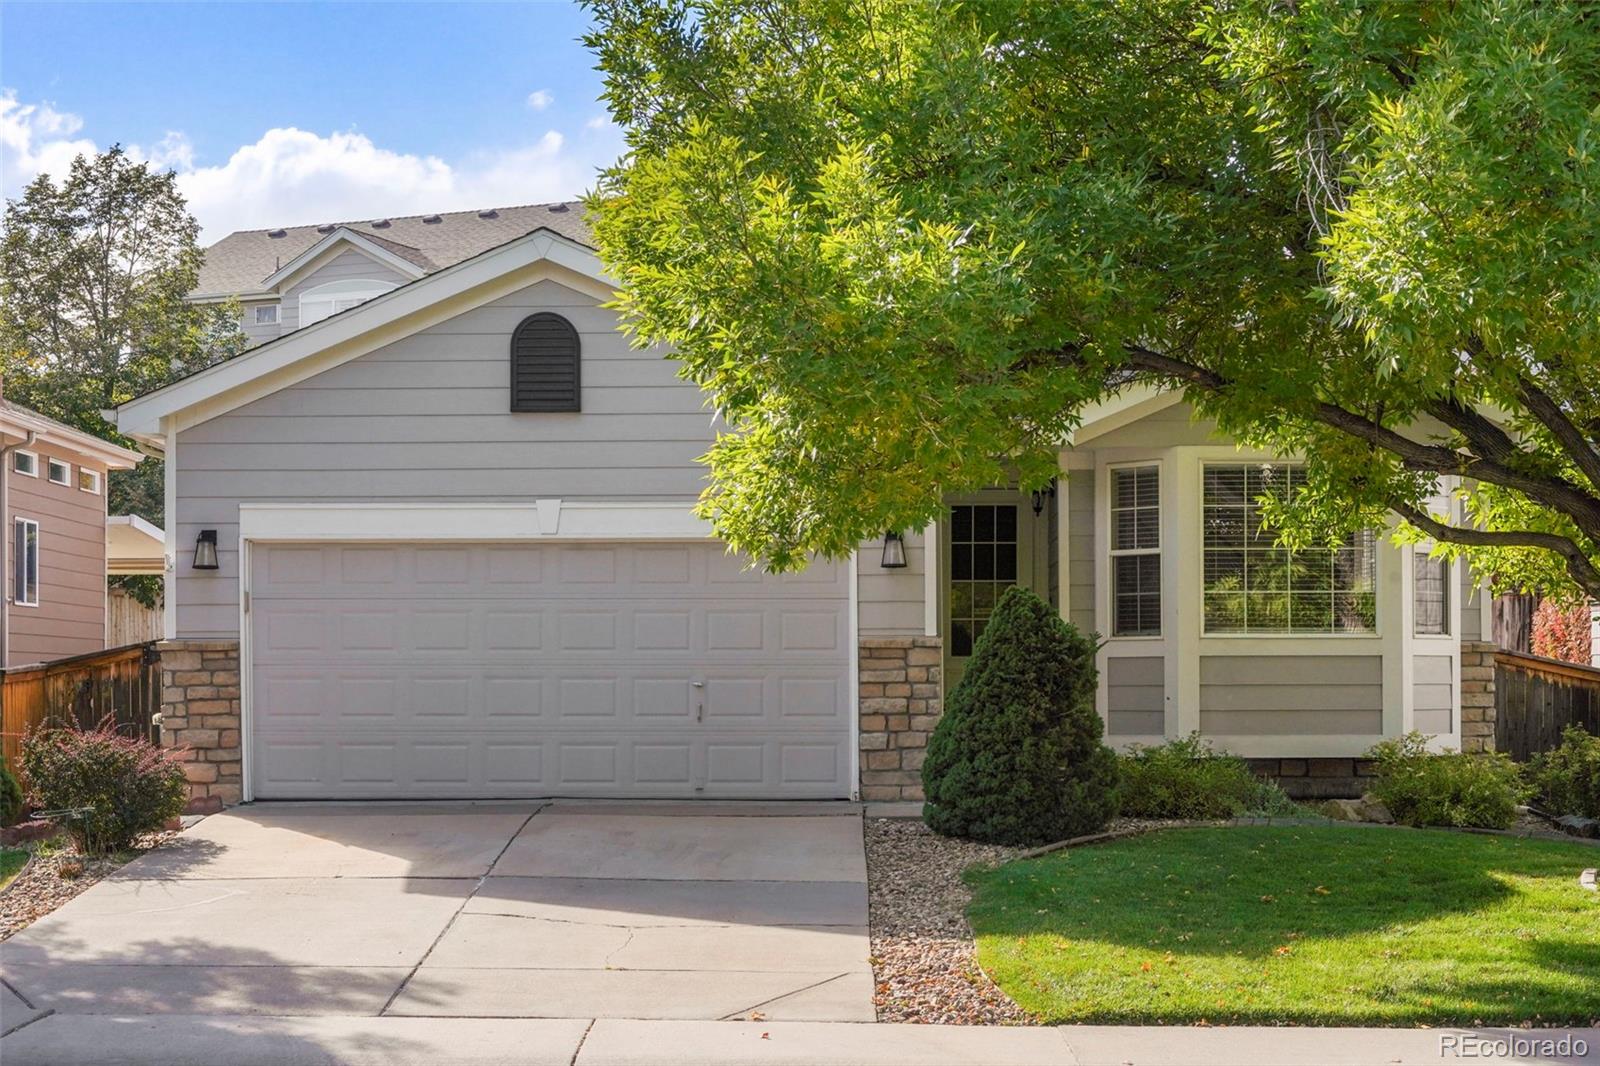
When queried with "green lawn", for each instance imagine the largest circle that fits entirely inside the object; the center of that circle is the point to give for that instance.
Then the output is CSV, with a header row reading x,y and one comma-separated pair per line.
x,y
12,860
1312,926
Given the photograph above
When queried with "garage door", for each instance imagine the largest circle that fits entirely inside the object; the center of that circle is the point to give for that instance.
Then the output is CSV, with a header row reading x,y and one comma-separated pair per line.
x,y
644,670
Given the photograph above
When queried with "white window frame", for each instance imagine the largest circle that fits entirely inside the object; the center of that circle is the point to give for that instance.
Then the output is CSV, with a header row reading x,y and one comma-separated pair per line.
x,y
1113,553
33,462
1275,635
326,300
94,480
270,321
25,566
50,471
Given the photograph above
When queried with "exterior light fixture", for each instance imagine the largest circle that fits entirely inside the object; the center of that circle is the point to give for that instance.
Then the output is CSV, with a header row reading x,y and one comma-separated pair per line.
x,y
205,550
894,551
1039,498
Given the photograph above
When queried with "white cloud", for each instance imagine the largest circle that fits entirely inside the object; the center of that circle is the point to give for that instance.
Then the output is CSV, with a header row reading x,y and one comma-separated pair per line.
x,y
599,122
35,139
291,176
540,99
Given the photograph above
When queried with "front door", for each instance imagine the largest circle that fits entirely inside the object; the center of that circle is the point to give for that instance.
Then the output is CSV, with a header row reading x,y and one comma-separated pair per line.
x,y
990,541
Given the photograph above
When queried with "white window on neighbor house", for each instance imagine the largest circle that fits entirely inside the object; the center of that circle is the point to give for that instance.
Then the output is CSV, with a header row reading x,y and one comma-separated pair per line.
x,y
25,562
324,301
1251,585
267,315
60,473
25,463
88,480
1136,551
1430,593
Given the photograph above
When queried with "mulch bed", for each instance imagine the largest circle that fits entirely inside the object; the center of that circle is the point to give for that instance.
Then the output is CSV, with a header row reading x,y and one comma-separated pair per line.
x,y
56,874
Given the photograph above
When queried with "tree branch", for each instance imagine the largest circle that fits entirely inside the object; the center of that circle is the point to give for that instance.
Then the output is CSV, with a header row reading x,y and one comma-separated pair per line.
x,y
1562,428
1584,572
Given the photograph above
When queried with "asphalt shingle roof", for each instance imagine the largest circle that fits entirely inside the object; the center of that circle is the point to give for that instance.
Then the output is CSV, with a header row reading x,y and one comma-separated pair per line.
x,y
241,261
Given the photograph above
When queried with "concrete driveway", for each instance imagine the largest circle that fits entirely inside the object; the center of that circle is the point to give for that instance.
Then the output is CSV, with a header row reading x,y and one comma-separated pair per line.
x,y
469,911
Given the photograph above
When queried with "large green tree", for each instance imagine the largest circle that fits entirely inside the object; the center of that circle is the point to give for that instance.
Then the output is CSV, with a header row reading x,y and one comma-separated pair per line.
x,y
903,244
93,274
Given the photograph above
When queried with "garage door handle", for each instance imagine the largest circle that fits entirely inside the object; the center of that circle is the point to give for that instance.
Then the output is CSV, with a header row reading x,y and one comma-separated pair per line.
x,y
699,701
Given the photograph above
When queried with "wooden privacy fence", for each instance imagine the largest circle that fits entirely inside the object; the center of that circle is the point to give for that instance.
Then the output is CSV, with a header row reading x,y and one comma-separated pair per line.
x,y
122,683
130,622
1536,698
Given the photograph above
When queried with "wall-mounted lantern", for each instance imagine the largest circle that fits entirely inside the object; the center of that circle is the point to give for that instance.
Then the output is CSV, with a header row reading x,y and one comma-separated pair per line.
x,y
894,551
205,550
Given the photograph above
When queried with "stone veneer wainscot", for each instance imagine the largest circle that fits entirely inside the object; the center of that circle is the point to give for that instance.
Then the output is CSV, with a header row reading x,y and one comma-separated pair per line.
x,y
200,714
901,699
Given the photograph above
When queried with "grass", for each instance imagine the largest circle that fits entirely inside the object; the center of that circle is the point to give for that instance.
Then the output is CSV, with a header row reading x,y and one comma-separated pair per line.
x,y
12,860
1301,925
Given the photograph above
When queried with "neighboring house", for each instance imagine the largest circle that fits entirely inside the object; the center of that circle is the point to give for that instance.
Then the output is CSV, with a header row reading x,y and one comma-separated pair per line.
x,y
53,507
452,525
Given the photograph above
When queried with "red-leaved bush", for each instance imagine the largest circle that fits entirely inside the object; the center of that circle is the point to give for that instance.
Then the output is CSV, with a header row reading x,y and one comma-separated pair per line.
x,y
1561,632
111,788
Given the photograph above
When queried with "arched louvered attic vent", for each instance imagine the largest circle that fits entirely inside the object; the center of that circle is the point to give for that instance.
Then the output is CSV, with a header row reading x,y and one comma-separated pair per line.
x,y
544,364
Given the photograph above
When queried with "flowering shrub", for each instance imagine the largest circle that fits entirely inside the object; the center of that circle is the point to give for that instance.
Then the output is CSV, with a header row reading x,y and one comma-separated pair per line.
x,y
115,787
1561,632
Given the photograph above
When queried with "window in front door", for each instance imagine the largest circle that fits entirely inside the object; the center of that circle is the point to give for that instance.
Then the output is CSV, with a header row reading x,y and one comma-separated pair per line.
x,y
983,564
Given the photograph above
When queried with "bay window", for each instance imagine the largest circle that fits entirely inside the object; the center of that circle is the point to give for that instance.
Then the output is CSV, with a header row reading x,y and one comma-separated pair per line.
x,y
1251,585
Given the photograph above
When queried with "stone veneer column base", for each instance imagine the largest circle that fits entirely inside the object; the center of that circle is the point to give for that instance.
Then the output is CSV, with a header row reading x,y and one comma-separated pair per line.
x,y
902,696
1477,695
200,713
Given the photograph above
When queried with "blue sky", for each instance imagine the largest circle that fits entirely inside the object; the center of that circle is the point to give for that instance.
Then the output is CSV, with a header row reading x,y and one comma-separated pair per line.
x,y
286,113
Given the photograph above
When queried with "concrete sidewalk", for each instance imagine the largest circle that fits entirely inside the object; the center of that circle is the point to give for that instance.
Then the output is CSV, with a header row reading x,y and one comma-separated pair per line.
x,y
204,1040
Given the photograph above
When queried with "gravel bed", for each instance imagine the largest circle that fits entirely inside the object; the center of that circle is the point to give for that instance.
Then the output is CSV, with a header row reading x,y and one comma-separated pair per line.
x,y
923,964
55,875
922,954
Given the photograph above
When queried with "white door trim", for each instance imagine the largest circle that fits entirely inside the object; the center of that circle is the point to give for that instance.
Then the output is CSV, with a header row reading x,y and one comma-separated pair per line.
x,y
550,519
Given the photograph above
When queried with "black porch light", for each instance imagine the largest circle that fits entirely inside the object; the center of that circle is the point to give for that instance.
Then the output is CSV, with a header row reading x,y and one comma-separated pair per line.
x,y
205,550
894,551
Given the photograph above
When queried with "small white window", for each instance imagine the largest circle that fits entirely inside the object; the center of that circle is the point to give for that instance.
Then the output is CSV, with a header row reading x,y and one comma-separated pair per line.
x,y
25,563
88,480
1136,551
324,301
25,463
1430,593
267,315
60,473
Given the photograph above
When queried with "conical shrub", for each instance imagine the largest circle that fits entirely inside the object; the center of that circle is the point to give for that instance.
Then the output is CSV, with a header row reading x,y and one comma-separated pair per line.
x,y
1017,757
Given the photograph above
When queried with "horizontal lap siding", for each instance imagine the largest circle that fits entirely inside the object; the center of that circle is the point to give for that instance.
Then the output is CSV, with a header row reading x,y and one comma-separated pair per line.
x,y
1291,695
346,266
1136,695
892,601
428,418
1080,549
71,616
1433,692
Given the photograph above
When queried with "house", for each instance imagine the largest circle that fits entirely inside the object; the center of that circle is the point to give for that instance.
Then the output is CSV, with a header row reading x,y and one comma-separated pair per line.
x,y
433,537
53,507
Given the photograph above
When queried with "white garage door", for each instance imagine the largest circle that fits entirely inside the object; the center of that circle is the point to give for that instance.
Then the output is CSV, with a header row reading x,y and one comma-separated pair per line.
x,y
504,670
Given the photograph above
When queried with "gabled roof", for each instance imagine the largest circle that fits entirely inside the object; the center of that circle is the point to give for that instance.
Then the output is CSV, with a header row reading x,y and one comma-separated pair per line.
x,y
17,421
241,262
339,338
408,261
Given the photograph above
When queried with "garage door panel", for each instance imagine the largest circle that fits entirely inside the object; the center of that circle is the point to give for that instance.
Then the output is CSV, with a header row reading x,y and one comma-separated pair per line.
x,y
529,670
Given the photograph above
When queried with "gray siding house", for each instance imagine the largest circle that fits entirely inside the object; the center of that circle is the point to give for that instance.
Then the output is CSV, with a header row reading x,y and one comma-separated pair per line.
x,y
433,537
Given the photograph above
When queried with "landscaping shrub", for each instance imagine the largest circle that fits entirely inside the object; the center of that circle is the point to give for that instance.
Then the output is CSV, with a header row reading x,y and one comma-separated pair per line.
x,y
1453,789
1561,631
10,796
118,787
1017,757
1187,778
1567,780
